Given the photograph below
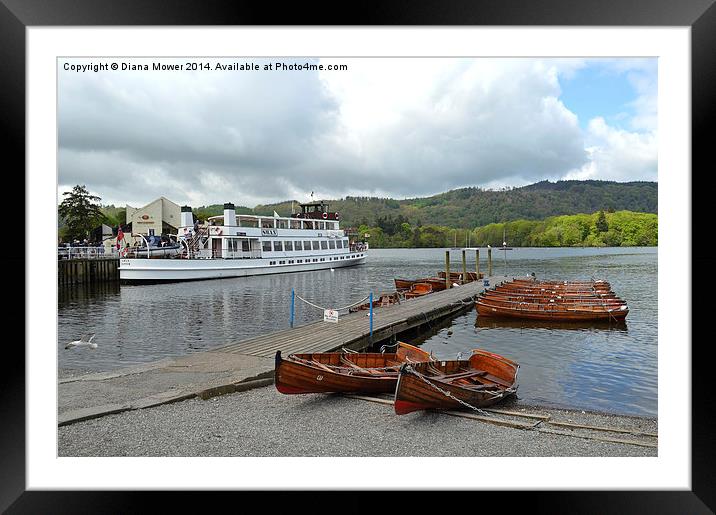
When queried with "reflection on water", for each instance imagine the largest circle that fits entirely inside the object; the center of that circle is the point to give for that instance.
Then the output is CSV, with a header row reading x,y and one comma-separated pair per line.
x,y
496,322
600,367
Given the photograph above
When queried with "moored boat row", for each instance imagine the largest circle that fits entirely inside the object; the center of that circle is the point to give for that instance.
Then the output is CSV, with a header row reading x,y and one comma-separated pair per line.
x,y
553,300
419,382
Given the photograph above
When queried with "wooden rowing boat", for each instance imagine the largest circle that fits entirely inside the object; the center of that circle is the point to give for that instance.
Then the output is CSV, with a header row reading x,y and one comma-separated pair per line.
x,y
457,276
418,290
405,284
537,311
550,289
561,300
598,282
550,294
559,287
385,299
359,372
482,380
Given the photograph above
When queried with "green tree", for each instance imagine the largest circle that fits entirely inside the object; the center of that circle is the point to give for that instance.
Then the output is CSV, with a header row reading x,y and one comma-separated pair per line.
x,y
80,211
602,225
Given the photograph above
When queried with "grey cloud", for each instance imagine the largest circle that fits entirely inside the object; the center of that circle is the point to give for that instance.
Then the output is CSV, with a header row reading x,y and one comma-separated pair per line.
x,y
263,137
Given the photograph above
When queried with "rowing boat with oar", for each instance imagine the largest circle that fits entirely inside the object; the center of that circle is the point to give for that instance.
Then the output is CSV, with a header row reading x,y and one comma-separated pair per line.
x,y
482,380
348,372
536,311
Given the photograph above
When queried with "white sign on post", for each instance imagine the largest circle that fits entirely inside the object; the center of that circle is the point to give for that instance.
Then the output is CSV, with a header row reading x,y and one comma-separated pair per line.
x,y
330,315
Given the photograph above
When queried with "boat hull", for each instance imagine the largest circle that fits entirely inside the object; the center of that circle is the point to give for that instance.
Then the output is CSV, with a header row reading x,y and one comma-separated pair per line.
x,y
332,372
566,314
173,270
483,380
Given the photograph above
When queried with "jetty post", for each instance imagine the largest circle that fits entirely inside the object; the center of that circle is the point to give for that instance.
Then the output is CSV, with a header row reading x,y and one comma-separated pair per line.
x,y
370,304
489,262
293,305
477,263
447,269
464,267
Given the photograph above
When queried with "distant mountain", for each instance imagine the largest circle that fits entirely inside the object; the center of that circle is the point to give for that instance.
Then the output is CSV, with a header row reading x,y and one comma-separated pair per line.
x,y
475,207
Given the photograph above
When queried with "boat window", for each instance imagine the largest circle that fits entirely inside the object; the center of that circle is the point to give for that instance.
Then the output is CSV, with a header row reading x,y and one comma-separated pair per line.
x,y
332,244
324,244
288,245
339,244
299,261
281,262
315,261
306,245
345,243
277,247
315,245
281,224
297,245
321,225
245,245
308,224
266,246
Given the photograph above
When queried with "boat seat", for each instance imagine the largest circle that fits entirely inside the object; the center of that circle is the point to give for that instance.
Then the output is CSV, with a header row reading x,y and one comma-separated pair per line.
x,y
462,375
348,362
473,373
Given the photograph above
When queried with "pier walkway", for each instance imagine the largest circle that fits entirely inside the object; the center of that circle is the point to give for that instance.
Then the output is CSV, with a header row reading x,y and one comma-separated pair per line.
x,y
249,363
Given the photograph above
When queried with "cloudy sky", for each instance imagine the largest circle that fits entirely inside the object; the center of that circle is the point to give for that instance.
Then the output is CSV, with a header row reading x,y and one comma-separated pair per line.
x,y
382,127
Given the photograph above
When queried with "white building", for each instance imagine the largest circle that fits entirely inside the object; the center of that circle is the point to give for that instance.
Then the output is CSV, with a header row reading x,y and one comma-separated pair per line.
x,y
161,216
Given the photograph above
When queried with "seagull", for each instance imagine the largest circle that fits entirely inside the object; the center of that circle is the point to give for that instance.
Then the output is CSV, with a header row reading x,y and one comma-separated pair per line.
x,y
84,341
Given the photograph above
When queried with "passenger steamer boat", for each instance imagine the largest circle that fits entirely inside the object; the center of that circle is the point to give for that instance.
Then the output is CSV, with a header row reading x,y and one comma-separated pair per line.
x,y
232,245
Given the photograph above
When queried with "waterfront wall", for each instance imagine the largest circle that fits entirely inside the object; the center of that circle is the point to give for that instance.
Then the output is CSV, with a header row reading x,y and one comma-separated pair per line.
x,y
83,271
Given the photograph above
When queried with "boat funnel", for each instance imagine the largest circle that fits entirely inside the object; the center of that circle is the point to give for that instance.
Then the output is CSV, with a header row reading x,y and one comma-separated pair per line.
x,y
187,219
229,214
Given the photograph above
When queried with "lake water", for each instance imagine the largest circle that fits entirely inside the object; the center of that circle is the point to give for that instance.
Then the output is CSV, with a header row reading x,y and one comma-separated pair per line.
x,y
605,368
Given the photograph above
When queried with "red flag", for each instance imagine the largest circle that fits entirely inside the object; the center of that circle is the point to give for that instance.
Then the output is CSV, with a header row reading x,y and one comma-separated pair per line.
x,y
120,236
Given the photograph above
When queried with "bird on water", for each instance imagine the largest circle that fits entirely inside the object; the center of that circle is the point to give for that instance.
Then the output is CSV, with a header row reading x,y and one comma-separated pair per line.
x,y
84,341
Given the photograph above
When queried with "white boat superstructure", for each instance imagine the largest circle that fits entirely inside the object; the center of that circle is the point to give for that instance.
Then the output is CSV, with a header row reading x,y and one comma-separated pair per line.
x,y
232,245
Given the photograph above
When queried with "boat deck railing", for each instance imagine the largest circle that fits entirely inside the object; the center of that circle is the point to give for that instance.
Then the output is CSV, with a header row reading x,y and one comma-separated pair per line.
x,y
87,253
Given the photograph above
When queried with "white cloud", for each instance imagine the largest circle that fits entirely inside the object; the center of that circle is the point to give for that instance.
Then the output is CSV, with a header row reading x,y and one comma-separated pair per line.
x,y
618,155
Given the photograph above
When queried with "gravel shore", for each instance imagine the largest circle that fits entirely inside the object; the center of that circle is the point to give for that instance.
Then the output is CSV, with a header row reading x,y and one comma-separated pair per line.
x,y
262,422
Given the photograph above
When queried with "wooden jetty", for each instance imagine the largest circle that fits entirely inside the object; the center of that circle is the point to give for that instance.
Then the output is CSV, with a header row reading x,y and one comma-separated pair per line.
x,y
353,330
82,271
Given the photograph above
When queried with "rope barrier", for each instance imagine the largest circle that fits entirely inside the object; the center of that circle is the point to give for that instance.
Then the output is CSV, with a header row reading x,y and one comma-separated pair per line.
x,y
336,309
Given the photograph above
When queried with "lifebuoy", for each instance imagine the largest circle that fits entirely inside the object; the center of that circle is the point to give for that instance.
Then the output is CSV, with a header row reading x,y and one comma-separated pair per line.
x,y
325,215
336,215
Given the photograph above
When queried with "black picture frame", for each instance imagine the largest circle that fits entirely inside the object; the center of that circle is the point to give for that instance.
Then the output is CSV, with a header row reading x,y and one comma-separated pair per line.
x,y
699,15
